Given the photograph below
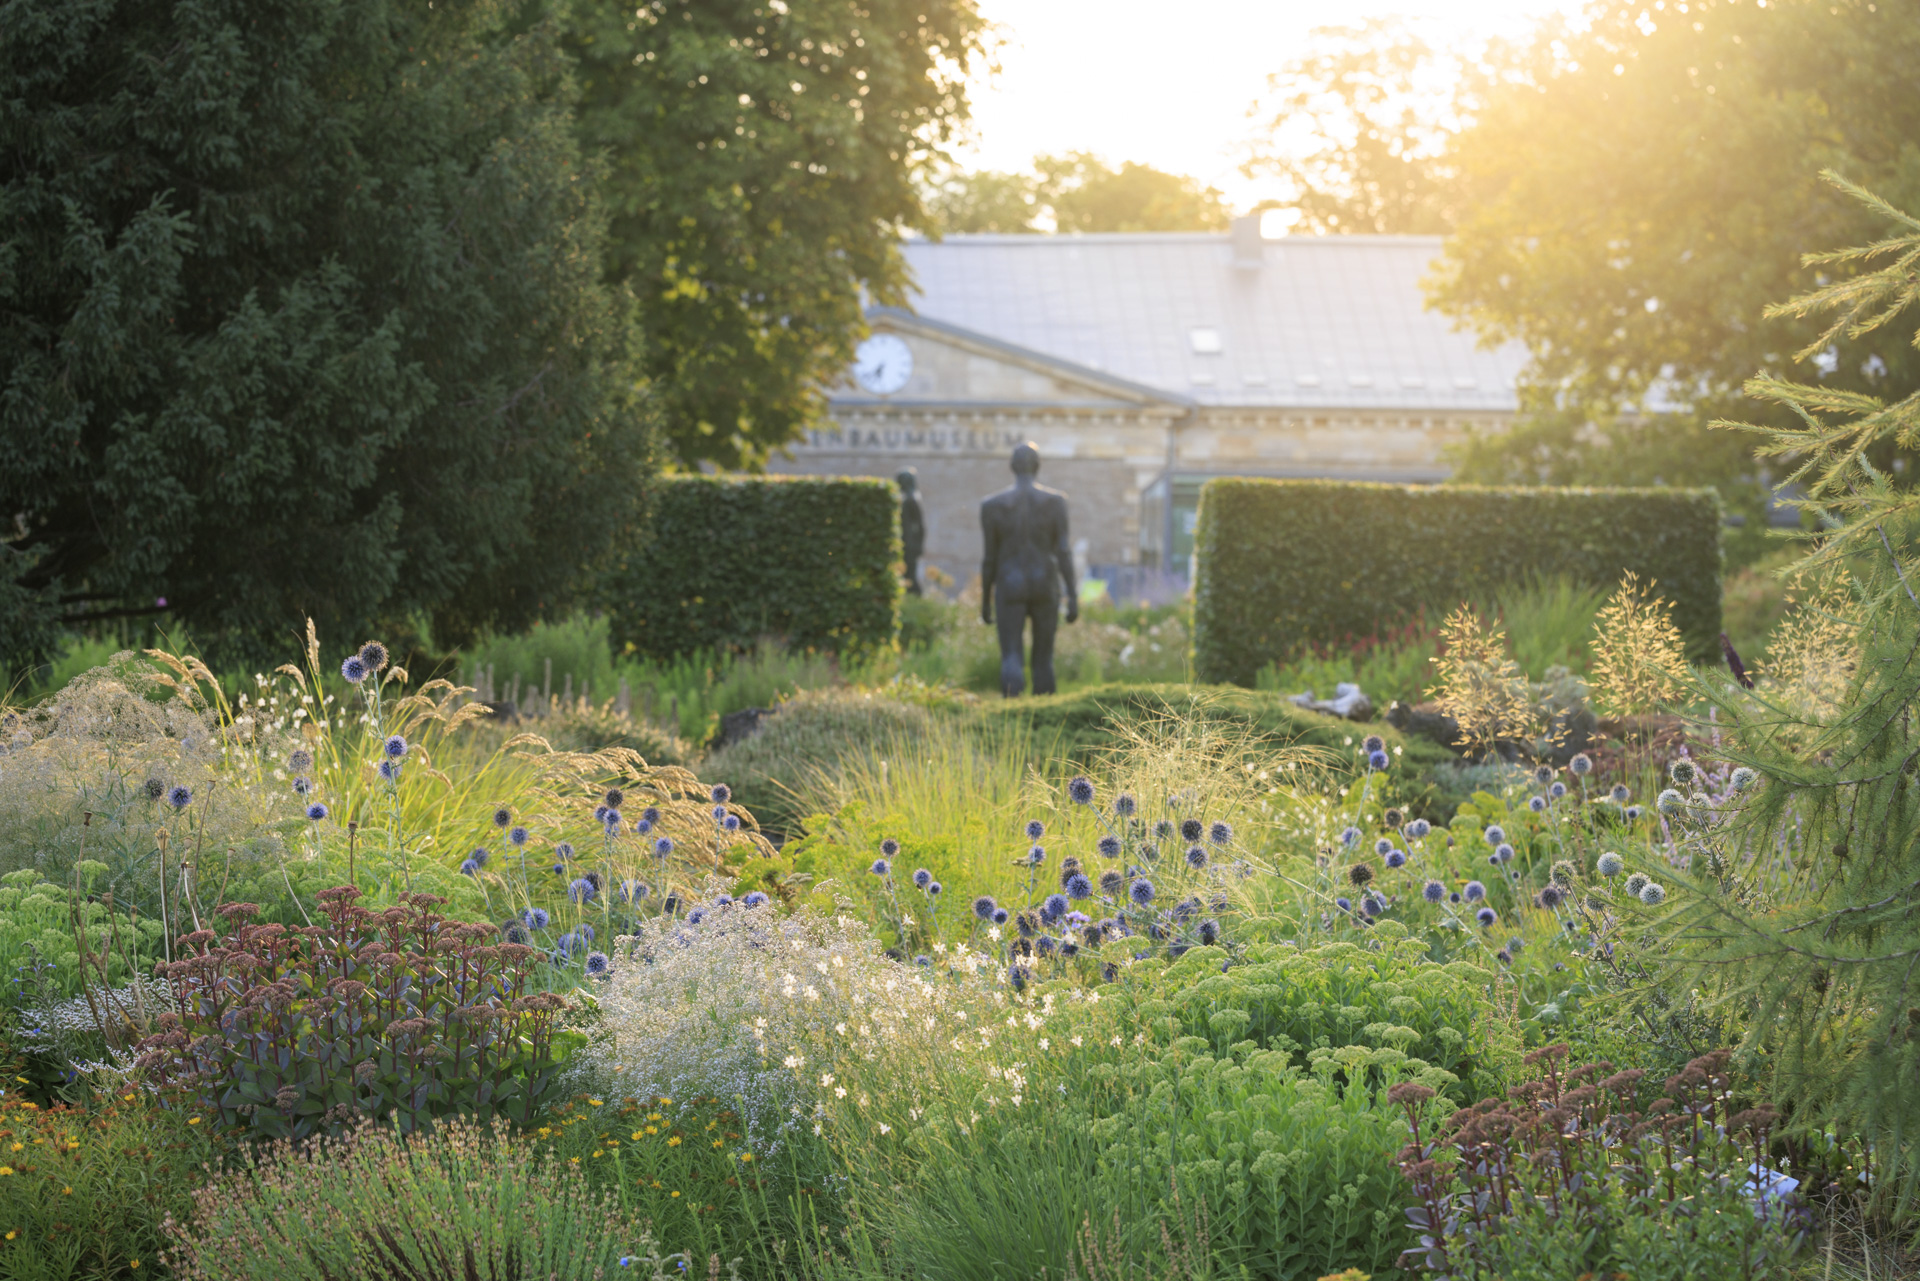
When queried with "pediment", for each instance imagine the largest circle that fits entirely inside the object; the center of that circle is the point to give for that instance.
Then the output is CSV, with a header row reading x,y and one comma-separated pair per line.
x,y
953,366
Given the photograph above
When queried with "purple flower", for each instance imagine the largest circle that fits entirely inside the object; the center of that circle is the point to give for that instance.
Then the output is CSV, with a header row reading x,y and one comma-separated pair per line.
x,y
518,836
1080,790
316,811
721,793
390,770
1538,804
1109,846
1078,886
1373,743
889,848
395,746
880,867
1378,760
754,899
374,655
1141,891
536,918
1504,853
479,856
1036,856
563,851
662,847
1343,905
1486,916
469,868
502,816
597,963
922,877
354,669
731,823
1475,891
1396,858
1495,834
1557,791
983,907
1581,765
180,796
1054,908
1035,829
1433,891
581,890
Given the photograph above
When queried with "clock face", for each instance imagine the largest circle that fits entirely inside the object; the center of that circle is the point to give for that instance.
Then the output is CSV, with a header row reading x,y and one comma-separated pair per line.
x,y
882,364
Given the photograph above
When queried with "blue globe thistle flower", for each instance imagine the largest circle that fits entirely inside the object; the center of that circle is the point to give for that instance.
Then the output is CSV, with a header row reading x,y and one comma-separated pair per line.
x,y
316,811
390,770
1343,905
1495,834
1557,791
1196,857
1035,829
1036,856
731,823
696,916
1372,743
300,761
889,848
722,900
179,796
1504,852
1454,897
1078,886
721,793
933,890
983,907
514,932
633,891
1080,790
1433,891
1350,837
651,814
1475,891
1382,845
1141,891
1378,760
563,851
1371,906
354,669
566,945
302,786
581,890
1420,829
597,963
1610,864
1538,804
611,821
518,837
1220,833
1486,916
1503,956
1054,907
880,867
719,813
1108,846
1620,794
535,918
1001,916
469,868
502,816
642,826
1124,805
395,746
1581,765
754,899
479,856
1017,977
1396,858
922,877
559,869
1634,812
1543,774
1045,944
1191,830
662,847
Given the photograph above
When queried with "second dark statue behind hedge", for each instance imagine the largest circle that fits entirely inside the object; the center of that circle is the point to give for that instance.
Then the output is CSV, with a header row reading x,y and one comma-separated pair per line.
x,y
1286,567
727,561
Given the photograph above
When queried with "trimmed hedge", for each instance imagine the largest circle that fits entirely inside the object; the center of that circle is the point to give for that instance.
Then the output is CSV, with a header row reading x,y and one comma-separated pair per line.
x,y
1285,566
727,560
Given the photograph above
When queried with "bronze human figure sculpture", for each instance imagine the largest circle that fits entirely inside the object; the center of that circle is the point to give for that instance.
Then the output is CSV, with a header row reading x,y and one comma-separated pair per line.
x,y
1028,561
913,526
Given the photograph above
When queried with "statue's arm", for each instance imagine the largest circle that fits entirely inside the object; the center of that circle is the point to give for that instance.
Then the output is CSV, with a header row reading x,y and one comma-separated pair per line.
x,y
1063,557
989,562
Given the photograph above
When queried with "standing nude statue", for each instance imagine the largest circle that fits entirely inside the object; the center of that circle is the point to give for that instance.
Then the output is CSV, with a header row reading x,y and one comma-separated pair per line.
x,y
1028,560
913,527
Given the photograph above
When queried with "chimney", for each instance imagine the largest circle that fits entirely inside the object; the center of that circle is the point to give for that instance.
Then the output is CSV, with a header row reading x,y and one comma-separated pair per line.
x,y
1249,250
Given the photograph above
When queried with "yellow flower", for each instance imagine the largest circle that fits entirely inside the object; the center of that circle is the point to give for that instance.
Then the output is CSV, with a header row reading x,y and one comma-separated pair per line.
x,y
595,1102
717,1142
653,1116
133,1263
674,1194
746,1156
598,1152
66,1191
674,1142
653,1129
19,1147
193,1120
6,1169
573,1160
638,1135
11,1235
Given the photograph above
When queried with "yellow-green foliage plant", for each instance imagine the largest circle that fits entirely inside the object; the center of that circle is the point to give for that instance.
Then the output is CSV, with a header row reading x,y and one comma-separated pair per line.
x,y
1800,914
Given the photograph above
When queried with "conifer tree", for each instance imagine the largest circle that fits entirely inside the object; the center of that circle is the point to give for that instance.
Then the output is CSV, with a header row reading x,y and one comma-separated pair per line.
x,y
1805,918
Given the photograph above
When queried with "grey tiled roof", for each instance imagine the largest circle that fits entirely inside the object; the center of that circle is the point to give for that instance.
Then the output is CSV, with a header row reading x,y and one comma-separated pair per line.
x,y
1321,321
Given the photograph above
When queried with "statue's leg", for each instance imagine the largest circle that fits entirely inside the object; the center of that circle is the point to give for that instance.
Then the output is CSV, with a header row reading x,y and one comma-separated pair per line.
x,y
1010,616
913,577
1046,619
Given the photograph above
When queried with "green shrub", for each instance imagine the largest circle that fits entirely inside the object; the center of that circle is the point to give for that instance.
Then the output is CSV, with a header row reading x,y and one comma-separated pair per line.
x,y
812,732
462,1200
1284,566
728,561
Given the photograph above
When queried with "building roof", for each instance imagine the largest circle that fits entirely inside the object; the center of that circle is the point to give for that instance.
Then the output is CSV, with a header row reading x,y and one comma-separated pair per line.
x,y
1304,321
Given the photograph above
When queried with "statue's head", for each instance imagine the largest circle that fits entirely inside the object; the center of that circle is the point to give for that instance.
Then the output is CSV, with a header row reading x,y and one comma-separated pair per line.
x,y
1026,459
908,480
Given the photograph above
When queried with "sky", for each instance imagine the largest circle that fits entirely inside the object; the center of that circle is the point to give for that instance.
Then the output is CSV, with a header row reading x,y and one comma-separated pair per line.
x,y
1168,82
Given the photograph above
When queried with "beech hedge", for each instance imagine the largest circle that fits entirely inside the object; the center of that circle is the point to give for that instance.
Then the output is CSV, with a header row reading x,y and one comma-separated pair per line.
x,y
1285,567
724,561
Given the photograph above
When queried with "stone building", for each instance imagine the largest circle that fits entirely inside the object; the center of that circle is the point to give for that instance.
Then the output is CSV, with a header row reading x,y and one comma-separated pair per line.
x,y
1144,364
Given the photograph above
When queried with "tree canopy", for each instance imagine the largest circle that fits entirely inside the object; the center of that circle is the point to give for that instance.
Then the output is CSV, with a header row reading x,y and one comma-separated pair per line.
x,y
300,314
763,158
1077,192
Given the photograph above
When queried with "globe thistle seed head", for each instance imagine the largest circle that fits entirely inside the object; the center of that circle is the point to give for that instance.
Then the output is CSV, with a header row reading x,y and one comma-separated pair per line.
x,y
983,907
180,796
614,798
1112,881
721,793
395,746
662,846
301,761
1027,923
1035,829
1196,857
1360,874
1150,852
1001,916
593,879
1743,778
1495,834
1683,772
670,904
1220,833
1561,873
651,814
302,786
535,918
1557,791
354,669
922,877
1493,860
880,867
1396,858
390,770
1421,829
1045,944
1550,896
1454,897
1141,891
634,891
1124,805
754,899
1637,882
1538,804
597,963
155,788
1350,837
1433,891
1543,774
1670,802
1109,846
316,811
580,890
1191,830
559,869
1486,916
1653,894
374,655
1080,790
1610,864
1079,886
1620,794
518,836
1036,856
642,827
1018,977
933,890
514,932
502,816
1634,812
1474,891
889,848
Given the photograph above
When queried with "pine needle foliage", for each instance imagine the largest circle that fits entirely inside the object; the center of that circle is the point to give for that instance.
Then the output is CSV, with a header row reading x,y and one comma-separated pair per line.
x,y
1815,938
1639,657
